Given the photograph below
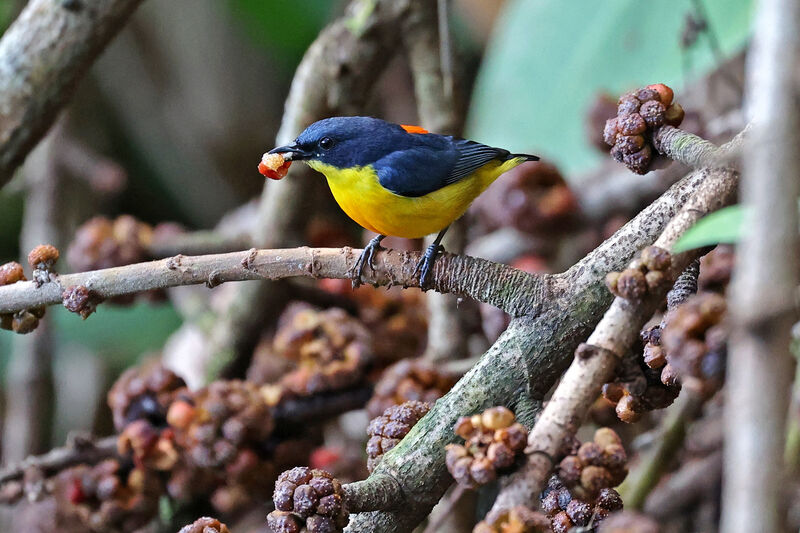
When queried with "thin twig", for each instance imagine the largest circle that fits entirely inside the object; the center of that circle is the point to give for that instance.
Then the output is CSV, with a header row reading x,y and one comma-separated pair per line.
x,y
77,452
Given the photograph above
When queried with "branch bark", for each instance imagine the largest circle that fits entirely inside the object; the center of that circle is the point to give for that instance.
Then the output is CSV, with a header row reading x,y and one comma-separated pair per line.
x,y
763,289
43,55
508,288
610,340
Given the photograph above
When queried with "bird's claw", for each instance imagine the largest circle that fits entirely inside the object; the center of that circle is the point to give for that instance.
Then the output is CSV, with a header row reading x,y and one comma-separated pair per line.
x,y
367,257
425,265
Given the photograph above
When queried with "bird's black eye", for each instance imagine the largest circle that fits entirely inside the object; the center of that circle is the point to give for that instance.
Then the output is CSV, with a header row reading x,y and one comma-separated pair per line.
x,y
326,143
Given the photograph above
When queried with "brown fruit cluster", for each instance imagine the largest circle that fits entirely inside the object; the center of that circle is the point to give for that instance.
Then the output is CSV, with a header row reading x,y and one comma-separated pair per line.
x,y
24,321
307,500
144,393
42,259
408,380
324,349
205,525
639,115
223,419
104,243
567,511
647,273
387,430
602,109
696,340
215,442
519,519
533,198
493,440
629,522
108,497
645,383
397,319
581,491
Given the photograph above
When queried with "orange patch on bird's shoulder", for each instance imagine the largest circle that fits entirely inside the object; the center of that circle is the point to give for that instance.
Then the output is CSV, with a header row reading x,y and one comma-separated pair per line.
x,y
414,129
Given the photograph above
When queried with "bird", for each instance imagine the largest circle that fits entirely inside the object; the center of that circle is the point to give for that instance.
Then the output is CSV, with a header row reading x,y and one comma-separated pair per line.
x,y
399,180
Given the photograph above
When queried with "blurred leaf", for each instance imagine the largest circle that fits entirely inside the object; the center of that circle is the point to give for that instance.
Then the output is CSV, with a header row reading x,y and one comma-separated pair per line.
x,y
549,58
117,334
723,226
287,27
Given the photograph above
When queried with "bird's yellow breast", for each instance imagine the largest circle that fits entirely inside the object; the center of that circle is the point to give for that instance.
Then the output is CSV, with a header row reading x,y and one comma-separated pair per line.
x,y
365,200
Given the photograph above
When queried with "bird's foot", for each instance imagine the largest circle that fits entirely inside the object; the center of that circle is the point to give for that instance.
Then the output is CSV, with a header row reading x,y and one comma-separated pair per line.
x,y
425,265
367,257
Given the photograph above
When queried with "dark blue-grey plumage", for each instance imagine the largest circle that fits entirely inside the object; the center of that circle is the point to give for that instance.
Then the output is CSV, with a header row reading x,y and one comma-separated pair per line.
x,y
408,164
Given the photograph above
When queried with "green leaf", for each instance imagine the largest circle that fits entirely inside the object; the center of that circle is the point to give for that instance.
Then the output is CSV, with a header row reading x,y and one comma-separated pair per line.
x,y
548,60
723,226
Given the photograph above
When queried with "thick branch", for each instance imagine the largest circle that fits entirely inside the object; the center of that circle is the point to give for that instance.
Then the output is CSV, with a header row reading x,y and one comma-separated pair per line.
x,y
540,342
763,290
42,56
508,288
609,342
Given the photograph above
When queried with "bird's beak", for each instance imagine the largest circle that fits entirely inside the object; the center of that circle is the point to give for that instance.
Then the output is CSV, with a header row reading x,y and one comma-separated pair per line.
x,y
292,152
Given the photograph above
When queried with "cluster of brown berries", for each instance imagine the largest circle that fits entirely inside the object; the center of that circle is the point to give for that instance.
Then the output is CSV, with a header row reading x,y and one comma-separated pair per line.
x,y
41,259
397,319
519,519
639,115
650,272
104,243
216,441
320,350
492,441
533,198
387,430
581,493
643,384
307,500
408,380
695,339
108,496
205,525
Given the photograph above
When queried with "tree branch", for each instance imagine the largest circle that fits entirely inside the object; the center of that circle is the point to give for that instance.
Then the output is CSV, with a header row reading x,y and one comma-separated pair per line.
x,y
508,288
43,55
540,342
609,342
763,289
80,450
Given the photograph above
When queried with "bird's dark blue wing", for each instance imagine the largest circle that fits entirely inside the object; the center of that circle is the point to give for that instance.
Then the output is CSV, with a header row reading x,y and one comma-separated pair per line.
x,y
472,156
435,161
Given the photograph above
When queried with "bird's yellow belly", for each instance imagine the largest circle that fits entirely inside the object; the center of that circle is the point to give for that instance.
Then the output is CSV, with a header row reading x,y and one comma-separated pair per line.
x,y
362,197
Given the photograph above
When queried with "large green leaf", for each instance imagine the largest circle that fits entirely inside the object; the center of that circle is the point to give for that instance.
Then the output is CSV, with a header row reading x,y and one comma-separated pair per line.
x,y
723,226
549,58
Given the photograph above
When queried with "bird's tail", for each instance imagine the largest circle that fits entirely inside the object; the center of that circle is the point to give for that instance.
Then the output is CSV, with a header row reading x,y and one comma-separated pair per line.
x,y
524,157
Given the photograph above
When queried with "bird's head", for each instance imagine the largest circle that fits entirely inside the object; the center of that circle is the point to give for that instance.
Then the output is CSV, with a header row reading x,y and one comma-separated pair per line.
x,y
344,142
